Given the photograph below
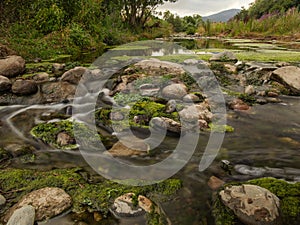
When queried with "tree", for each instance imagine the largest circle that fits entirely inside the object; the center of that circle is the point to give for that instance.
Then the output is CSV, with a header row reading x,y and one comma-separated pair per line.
x,y
137,12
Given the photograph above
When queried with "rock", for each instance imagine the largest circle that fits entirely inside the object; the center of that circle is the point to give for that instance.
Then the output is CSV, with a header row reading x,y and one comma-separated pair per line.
x,y
253,205
157,67
224,57
19,150
249,170
2,200
289,76
238,104
23,216
73,76
249,90
194,113
261,101
215,183
41,77
174,91
203,124
272,94
134,148
5,84
57,67
231,68
273,100
149,90
166,123
124,205
191,98
58,91
171,106
48,202
191,61
24,87
64,139
12,66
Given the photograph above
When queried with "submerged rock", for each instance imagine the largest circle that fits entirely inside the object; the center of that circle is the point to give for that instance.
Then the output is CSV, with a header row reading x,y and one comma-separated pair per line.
x,y
253,205
48,202
12,66
130,149
23,216
289,76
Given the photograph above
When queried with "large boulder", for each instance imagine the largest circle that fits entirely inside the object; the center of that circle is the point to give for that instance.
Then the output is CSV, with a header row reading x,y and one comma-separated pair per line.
x,y
157,67
23,216
224,57
5,84
12,66
253,205
174,91
48,202
24,87
289,76
73,76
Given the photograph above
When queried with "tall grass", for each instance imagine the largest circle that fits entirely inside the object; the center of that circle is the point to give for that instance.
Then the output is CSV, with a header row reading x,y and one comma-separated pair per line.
x,y
268,25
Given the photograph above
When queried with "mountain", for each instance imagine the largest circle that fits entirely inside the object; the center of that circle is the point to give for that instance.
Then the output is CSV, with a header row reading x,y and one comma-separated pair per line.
x,y
223,16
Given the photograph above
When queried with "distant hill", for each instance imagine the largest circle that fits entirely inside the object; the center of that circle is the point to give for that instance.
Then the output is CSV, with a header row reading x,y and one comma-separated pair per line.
x,y
223,16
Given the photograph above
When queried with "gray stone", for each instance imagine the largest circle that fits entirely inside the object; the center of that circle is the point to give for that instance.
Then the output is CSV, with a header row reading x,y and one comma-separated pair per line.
x,y
57,92
289,76
149,90
171,106
224,57
23,216
249,170
24,87
191,98
2,200
73,76
157,67
174,91
166,123
12,66
191,61
5,84
253,205
48,202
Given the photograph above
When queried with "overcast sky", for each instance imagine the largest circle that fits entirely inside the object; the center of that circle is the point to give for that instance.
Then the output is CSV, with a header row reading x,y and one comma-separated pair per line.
x,y
203,7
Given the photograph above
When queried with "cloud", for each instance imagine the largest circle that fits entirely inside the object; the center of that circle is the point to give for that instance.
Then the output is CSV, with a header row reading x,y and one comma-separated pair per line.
x,y
203,7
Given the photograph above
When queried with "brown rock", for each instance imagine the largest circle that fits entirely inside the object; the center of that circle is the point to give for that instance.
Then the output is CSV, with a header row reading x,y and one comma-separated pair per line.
x,y
12,66
5,84
174,91
215,183
48,202
64,139
238,104
24,87
73,76
133,148
253,205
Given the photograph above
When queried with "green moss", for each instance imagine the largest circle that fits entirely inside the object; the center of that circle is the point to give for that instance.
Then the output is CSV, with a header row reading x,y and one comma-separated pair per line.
x,y
91,197
48,132
4,155
221,128
177,58
222,215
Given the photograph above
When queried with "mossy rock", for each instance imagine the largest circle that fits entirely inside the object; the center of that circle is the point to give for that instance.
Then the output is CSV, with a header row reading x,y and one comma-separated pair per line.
x,y
86,197
288,193
48,133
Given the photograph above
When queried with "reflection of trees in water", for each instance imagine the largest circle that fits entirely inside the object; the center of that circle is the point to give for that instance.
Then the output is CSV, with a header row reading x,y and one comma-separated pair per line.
x,y
203,43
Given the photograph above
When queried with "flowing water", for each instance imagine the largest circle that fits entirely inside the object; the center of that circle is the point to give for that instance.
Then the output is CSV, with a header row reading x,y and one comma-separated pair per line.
x,y
265,136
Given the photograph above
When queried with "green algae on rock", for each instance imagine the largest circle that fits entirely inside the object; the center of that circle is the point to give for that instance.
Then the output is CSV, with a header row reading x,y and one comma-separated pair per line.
x,y
49,133
288,193
86,196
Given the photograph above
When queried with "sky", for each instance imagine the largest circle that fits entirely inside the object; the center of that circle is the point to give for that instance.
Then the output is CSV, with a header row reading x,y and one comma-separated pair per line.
x,y
203,7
